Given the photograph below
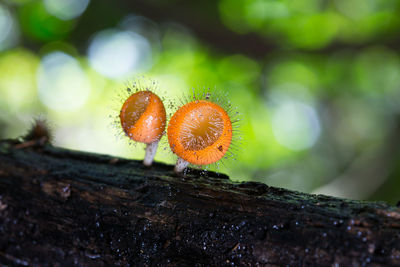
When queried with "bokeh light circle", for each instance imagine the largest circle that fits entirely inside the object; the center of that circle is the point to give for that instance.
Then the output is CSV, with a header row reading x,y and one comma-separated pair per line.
x,y
8,29
62,83
118,53
295,125
66,9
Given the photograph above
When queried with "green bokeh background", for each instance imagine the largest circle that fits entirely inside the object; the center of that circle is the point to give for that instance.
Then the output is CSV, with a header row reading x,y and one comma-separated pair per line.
x,y
316,83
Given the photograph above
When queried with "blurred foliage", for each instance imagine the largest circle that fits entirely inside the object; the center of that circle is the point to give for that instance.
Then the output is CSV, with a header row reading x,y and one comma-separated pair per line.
x,y
319,104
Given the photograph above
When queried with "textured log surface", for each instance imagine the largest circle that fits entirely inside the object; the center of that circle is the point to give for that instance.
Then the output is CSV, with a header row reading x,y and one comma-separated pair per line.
x,y
62,208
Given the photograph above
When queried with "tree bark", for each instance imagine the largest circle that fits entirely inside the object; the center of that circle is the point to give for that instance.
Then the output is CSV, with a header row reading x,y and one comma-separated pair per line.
x,y
62,208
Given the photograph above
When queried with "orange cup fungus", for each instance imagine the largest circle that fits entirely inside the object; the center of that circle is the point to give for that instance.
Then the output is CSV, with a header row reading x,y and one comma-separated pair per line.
x,y
143,119
200,133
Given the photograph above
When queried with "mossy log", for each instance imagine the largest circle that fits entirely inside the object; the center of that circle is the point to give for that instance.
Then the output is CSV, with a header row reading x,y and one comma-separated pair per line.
x,y
68,208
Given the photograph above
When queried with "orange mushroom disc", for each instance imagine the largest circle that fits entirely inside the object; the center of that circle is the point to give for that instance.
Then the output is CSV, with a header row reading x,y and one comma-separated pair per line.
x,y
200,132
143,117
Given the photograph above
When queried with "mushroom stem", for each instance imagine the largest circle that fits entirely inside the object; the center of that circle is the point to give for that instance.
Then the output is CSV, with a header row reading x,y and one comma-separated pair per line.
x,y
151,150
181,164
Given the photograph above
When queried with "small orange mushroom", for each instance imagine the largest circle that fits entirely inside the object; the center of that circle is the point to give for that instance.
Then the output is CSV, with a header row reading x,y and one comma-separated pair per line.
x,y
199,133
143,119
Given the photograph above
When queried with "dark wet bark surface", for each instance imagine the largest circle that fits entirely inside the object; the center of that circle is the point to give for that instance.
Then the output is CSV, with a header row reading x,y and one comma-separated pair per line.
x,y
60,208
